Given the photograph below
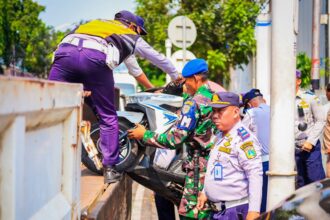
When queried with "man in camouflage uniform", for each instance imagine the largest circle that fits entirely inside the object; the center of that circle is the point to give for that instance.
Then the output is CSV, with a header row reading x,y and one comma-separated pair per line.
x,y
195,128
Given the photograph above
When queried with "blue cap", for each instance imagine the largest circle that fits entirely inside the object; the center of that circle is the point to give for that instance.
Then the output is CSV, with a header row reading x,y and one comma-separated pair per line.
x,y
298,74
126,16
194,67
250,95
224,99
140,23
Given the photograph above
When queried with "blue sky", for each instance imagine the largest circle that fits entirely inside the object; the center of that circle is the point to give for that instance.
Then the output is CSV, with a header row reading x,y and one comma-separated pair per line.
x,y
62,13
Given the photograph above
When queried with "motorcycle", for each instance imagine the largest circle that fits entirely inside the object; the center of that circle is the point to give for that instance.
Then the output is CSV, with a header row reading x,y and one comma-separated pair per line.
x,y
157,169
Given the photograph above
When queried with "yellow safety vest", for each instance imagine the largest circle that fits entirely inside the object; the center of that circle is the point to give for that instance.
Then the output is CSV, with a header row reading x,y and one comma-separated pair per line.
x,y
113,32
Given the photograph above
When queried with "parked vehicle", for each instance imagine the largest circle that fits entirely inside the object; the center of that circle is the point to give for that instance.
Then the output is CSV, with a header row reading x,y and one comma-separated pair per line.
x,y
309,202
126,84
157,169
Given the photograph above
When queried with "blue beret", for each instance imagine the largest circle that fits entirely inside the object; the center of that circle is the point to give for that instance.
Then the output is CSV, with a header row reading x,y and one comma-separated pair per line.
x,y
250,95
194,67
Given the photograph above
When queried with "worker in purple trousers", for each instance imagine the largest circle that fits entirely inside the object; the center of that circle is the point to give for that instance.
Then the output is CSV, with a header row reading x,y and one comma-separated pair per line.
x,y
89,54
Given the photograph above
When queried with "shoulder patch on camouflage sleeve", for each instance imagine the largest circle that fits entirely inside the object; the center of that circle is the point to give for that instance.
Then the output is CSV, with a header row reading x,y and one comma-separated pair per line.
x,y
187,105
249,150
243,133
188,118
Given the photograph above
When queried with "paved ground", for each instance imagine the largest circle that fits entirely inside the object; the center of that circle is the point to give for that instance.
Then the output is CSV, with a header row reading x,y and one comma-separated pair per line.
x,y
143,206
143,203
90,185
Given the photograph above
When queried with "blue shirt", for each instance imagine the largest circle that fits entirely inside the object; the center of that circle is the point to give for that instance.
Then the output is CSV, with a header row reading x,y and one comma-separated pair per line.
x,y
258,121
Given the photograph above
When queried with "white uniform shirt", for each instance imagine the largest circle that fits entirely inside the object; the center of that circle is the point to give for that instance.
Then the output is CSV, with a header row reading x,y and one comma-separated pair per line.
x,y
241,174
144,50
133,66
314,117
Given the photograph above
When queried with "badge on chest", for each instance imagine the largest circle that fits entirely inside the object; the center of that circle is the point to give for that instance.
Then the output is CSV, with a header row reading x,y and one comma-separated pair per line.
x,y
218,172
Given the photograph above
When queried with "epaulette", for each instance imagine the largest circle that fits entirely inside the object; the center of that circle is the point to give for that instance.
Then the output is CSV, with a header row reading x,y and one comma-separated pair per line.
x,y
243,133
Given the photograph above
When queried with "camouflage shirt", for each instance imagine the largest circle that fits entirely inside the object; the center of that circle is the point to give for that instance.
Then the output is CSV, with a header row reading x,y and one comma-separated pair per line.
x,y
194,128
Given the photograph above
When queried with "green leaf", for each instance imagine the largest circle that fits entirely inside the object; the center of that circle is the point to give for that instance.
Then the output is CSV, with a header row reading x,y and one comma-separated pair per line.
x,y
25,38
225,31
304,64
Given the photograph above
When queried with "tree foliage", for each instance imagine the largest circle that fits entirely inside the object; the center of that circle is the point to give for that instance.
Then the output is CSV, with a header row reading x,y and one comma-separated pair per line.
x,y
225,30
24,38
304,64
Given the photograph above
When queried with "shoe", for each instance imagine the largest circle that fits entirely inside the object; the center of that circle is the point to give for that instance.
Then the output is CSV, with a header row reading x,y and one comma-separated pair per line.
x,y
111,175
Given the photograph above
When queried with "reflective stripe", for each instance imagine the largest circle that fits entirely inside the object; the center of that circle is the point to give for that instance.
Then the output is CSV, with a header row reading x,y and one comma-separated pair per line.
x,y
114,32
129,42
90,37
127,38
90,44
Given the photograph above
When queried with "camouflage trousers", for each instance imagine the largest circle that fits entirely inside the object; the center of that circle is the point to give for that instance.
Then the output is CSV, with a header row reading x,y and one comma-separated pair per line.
x,y
187,208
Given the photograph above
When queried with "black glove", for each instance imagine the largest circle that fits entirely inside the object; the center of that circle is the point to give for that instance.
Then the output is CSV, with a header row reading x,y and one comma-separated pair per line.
x,y
174,88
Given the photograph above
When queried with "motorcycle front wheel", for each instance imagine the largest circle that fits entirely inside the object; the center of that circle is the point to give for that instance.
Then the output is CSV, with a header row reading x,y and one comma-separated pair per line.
x,y
128,149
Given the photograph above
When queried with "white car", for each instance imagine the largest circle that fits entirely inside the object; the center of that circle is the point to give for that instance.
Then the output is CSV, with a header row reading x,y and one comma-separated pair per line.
x,y
125,82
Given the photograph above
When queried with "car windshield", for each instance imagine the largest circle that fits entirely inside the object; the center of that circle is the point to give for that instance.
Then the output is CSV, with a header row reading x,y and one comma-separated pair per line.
x,y
125,88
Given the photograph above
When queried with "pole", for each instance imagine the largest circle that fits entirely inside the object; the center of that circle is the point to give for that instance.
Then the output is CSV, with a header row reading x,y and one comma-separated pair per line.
x,y
315,75
168,46
263,55
281,173
14,61
328,44
184,43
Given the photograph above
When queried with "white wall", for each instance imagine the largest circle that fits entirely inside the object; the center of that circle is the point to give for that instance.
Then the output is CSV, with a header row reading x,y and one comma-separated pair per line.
x,y
39,149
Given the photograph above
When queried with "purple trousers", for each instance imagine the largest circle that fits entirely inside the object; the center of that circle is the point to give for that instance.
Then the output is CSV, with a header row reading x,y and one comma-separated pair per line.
x,y
76,64
233,213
